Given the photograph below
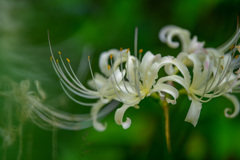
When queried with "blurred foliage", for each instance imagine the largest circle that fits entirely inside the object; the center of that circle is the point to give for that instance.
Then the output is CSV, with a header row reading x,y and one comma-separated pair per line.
x,y
75,25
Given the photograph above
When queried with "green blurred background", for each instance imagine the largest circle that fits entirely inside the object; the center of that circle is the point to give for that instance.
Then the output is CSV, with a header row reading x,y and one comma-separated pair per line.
x,y
91,27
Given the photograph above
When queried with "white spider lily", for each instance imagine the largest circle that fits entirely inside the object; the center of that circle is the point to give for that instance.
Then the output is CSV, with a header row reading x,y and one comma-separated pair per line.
x,y
213,72
128,83
127,79
140,80
102,91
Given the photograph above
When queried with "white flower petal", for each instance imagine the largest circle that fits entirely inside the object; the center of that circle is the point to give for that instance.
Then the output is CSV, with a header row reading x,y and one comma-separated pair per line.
x,y
194,112
153,73
169,69
167,33
175,78
147,60
195,46
119,117
131,69
236,106
99,79
104,59
230,42
167,89
94,114
196,70
122,57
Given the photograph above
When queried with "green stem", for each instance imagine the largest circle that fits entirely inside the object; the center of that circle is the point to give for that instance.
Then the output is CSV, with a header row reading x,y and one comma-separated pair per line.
x,y
167,126
165,107
20,141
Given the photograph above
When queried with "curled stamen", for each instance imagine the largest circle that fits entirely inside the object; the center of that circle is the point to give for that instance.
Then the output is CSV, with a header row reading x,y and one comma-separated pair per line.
x,y
68,60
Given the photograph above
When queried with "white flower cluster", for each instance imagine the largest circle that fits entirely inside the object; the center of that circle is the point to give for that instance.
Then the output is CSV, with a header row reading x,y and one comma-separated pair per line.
x,y
203,73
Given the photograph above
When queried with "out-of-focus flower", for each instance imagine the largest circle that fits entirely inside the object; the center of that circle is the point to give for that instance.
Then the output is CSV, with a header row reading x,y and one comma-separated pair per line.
x,y
29,105
214,70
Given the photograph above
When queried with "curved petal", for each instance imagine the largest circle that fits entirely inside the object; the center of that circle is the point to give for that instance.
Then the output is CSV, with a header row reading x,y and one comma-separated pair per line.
x,y
236,106
131,69
167,33
194,112
167,89
103,61
94,114
153,73
224,47
169,69
175,78
119,117
147,60
100,80
121,57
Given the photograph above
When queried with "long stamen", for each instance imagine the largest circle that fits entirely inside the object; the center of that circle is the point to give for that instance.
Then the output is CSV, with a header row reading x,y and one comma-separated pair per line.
x,y
207,81
92,73
59,71
77,101
76,81
206,90
77,93
61,75
113,73
119,97
83,87
218,91
127,68
122,72
140,55
135,42
137,77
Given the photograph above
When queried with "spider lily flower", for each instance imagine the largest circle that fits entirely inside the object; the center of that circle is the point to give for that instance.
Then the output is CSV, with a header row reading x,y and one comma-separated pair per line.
x,y
28,105
189,45
108,86
125,78
213,71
